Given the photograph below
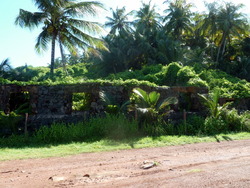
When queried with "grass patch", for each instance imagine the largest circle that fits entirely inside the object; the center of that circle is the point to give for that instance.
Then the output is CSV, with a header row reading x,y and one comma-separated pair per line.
x,y
195,170
60,150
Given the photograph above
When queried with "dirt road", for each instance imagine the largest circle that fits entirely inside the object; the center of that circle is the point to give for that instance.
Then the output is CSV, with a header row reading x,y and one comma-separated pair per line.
x,y
224,164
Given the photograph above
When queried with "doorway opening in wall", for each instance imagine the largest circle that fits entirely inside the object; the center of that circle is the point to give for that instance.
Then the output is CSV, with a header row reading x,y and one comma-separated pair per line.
x,y
81,101
19,102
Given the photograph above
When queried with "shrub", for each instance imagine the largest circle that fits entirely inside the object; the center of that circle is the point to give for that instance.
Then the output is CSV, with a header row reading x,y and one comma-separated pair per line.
x,y
170,78
234,121
195,125
246,120
196,81
184,75
215,125
9,123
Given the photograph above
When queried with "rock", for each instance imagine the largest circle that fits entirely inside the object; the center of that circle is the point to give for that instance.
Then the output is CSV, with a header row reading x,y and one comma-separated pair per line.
x,y
148,164
57,178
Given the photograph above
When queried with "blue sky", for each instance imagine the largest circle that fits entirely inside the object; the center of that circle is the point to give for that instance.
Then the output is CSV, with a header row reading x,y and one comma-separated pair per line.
x,y
17,43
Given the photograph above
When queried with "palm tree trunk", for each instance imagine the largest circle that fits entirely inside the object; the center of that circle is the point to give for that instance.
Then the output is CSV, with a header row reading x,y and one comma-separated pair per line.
x,y
221,48
63,57
52,62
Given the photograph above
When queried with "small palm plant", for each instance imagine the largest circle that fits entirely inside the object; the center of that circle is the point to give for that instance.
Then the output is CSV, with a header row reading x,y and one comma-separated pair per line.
x,y
217,121
148,107
212,103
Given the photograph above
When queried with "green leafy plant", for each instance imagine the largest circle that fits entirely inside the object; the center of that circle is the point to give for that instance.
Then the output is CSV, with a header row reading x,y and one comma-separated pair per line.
x,y
148,107
212,103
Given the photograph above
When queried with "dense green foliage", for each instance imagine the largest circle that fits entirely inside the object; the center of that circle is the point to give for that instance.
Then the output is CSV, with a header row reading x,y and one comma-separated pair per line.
x,y
173,74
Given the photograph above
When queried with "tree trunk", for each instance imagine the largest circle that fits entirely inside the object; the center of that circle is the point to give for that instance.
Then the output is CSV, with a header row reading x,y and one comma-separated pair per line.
x,y
52,62
63,57
221,48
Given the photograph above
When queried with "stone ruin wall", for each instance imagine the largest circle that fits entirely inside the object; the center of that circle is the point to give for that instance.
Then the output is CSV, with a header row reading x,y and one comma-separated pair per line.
x,y
54,103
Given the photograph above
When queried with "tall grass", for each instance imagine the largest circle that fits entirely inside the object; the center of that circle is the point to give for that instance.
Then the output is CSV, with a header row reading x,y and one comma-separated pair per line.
x,y
115,127
119,127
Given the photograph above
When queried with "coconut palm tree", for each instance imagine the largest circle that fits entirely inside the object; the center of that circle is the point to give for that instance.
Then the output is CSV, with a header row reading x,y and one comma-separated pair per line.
x,y
231,23
178,20
119,21
147,19
62,23
208,25
147,24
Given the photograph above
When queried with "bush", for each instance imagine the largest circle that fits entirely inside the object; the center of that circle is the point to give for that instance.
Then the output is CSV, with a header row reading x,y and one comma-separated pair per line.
x,y
9,123
246,120
196,81
234,121
195,125
215,125
170,78
184,75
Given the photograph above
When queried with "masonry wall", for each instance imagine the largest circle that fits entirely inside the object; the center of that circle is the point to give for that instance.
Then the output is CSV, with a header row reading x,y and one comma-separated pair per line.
x,y
54,103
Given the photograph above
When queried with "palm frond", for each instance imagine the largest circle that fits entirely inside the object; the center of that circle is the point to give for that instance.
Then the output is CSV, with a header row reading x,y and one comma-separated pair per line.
x,y
141,93
83,8
30,19
108,99
43,40
168,101
153,98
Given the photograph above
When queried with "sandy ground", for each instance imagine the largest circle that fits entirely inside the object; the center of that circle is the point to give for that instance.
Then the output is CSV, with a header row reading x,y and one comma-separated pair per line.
x,y
224,164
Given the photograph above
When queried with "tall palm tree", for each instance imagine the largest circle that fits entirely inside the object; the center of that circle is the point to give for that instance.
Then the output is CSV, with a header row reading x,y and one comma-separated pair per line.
x,y
230,23
119,21
147,19
178,20
61,21
147,25
209,26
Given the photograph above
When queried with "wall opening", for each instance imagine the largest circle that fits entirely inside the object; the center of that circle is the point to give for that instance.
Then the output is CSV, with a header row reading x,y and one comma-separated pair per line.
x,y
19,102
81,101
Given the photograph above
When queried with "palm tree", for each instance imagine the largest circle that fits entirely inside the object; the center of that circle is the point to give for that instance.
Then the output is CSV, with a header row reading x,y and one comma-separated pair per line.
x,y
147,25
230,23
178,20
208,25
212,103
5,67
61,23
147,19
119,21
148,105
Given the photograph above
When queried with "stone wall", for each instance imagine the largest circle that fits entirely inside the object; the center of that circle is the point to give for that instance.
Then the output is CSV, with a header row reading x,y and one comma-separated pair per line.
x,y
54,103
